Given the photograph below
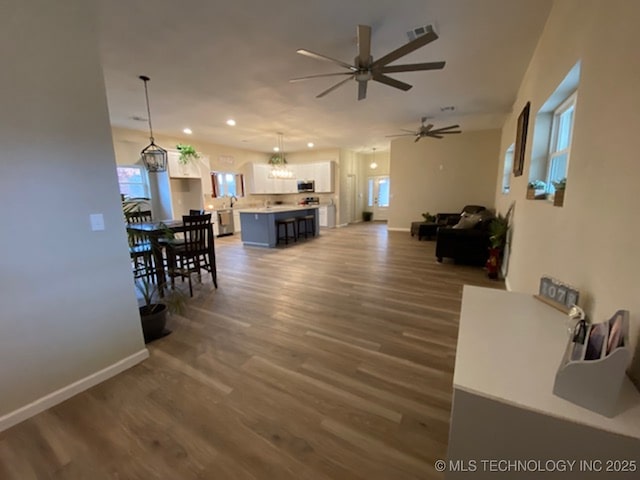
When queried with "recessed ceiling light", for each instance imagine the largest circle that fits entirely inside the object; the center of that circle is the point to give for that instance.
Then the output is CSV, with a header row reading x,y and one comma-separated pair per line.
x,y
231,122
188,131
276,149
310,144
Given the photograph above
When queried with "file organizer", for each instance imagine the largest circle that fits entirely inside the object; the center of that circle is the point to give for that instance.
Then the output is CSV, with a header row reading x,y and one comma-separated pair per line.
x,y
595,384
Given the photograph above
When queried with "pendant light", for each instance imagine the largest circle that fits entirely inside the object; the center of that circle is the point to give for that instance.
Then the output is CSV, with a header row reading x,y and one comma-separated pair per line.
x,y
373,165
279,162
153,156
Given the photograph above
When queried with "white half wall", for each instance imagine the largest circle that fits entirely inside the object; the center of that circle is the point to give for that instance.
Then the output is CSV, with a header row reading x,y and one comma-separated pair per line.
x,y
590,242
67,299
444,175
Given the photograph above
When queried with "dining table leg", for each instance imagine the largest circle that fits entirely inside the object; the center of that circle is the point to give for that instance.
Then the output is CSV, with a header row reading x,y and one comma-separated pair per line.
x,y
158,259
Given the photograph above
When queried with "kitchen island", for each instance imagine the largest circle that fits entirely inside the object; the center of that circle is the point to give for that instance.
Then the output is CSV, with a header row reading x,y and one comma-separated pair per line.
x,y
259,224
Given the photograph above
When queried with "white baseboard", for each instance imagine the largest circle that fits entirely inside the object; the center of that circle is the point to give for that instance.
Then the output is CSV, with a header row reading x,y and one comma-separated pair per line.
x,y
59,396
394,229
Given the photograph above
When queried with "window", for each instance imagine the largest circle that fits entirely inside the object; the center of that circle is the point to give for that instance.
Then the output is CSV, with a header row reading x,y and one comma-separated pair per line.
x,y
560,145
227,184
133,181
508,166
370,192
383,192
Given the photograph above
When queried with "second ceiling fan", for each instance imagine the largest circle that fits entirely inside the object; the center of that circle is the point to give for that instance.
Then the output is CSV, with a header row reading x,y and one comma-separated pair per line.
x,y
365,68
428,131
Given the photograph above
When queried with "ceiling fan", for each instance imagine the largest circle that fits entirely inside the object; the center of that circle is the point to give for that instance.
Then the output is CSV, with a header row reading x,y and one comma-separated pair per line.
x,y
428,131
364,68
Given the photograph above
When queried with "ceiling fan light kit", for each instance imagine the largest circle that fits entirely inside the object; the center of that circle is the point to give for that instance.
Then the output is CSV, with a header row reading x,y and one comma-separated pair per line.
x,y
364,68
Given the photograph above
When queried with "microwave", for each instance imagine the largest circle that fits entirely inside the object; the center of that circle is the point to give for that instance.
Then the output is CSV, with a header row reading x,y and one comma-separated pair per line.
x,y
306,186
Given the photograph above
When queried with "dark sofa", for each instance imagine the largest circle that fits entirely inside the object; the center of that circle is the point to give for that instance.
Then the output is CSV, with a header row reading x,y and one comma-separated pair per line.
x,y
465,245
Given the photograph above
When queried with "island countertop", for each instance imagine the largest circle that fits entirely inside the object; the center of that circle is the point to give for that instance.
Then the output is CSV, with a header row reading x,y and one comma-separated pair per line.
x,y
277,209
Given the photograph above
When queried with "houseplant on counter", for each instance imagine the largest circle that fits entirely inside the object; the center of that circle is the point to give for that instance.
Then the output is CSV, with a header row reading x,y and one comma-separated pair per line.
x,y
153,314
558,197
498,236
187,153
533,187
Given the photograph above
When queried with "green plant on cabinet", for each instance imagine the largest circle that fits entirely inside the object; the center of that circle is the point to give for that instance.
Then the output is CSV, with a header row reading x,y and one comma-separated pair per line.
x,y
187,153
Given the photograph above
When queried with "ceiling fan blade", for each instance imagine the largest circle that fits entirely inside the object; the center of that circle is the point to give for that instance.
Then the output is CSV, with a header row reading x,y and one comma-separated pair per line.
x,y
428,127
362,89
318,56
413,132
401,135
417,139
447,128
407,48
329,90
436,132
308,77
412,67
364,44
392,82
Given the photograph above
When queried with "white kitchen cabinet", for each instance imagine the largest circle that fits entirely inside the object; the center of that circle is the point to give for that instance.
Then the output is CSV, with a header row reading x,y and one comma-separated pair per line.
x,y
261,183
323,176
177,170
327,216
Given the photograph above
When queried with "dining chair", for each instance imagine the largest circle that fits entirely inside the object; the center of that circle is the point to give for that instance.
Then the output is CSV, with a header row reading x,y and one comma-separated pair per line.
x,y
140,249
192,256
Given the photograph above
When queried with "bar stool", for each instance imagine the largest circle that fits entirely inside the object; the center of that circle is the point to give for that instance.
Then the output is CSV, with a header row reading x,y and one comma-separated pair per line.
x,y
285,222
309,224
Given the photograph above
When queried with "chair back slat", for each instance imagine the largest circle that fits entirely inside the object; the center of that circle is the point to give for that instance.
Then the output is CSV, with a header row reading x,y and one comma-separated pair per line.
x,y
138,217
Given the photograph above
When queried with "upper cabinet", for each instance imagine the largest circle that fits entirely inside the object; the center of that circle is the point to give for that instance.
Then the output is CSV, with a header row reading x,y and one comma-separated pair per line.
x,y
321,173
191,169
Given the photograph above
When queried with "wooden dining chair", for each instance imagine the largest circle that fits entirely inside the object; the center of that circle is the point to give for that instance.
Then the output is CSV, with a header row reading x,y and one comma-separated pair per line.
x,y
192,256
140,246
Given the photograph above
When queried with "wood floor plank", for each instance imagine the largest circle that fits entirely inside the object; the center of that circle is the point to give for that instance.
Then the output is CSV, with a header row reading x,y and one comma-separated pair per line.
x,y
331,358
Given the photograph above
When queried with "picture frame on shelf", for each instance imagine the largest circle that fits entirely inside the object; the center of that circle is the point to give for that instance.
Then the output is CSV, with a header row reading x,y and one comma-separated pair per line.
x,y
521,140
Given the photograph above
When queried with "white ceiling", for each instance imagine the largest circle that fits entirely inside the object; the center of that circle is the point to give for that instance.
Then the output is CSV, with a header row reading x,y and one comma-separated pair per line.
x,y
213,60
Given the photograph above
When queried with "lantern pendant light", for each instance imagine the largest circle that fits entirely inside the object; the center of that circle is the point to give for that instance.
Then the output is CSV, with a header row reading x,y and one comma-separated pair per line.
x,y
153,156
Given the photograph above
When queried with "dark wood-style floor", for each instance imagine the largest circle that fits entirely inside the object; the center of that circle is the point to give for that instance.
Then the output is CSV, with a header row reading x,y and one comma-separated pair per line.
x,y
329,359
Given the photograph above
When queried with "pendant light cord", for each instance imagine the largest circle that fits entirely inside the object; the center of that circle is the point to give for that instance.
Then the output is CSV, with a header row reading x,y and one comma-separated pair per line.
x,y
145,79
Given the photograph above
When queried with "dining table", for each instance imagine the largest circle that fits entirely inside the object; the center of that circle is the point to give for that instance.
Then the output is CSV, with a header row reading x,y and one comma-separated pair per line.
x,y
158,231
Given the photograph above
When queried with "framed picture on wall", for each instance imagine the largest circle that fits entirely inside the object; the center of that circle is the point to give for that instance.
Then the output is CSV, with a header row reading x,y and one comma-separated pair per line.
x,y
521,141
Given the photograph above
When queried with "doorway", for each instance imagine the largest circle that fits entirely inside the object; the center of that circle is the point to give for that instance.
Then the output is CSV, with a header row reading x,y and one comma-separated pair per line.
x,y
378,196
350,197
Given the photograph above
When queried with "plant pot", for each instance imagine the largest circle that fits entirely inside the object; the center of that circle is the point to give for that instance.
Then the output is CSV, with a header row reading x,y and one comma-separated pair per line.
x,y
154,319
494,262
558,198
367,216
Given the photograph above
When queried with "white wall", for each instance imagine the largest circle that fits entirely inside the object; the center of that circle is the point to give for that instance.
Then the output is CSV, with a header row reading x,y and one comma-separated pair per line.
x,y
591,242
442,175
67,300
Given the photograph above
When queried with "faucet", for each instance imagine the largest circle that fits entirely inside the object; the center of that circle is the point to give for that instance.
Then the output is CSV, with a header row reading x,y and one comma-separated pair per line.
x,y
232,199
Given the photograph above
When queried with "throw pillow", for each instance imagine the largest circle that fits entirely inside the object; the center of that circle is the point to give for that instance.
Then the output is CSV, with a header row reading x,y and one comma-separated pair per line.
x,y
468,220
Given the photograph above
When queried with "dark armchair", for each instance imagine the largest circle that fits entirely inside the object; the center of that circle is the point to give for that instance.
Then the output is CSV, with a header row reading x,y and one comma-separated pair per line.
x,y
465,236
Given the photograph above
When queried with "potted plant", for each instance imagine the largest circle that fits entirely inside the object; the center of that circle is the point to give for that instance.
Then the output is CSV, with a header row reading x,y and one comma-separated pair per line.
x,y
428,217
498,236
153,314
187,153
533,187
367,216
558,197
